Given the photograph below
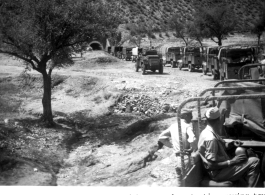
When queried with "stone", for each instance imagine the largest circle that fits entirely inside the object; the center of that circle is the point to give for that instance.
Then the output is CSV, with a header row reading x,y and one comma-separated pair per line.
x,y
6,121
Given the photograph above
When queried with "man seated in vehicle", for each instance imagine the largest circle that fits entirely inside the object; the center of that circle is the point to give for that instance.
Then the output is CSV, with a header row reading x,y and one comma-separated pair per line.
x,y
213,151
188,138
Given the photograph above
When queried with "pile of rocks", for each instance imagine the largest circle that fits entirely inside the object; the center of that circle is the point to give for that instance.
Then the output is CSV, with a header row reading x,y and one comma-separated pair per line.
x,y
142,104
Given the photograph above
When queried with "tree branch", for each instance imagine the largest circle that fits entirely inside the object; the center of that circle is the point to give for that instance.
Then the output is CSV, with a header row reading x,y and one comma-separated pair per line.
x,y
21,57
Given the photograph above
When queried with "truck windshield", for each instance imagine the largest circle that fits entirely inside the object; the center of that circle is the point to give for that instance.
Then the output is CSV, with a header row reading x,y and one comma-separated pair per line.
x,y
239,54
193,50
151,52
213,51
174,50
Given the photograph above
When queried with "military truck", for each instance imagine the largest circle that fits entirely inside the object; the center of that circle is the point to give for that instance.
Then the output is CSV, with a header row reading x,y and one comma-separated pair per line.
x,y
230,60
150,60
241,104
192,58
127,53
209,60
136,52
173,54
118,52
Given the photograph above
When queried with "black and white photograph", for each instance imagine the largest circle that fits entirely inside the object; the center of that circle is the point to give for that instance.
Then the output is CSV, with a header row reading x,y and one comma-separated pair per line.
x,y
133,96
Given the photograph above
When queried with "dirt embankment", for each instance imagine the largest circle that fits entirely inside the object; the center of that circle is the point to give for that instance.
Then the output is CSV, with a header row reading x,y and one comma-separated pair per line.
x,y
108,119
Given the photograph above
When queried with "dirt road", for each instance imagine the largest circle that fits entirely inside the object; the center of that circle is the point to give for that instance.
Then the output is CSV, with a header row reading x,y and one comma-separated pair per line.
x,y
116,114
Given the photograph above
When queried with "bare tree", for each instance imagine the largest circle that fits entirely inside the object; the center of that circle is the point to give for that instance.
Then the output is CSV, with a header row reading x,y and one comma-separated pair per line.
x,y
44,33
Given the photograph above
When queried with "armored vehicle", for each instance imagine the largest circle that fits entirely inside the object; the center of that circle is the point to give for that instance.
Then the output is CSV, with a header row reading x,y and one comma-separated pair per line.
x,y
150,60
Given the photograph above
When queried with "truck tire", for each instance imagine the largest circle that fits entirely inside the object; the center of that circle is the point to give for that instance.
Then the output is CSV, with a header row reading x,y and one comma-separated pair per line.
x,y
143,69
161,69
216,76
204,71
190,68
136,67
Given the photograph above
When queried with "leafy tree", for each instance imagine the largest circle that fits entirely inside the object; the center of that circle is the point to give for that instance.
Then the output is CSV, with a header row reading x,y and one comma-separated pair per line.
x,y
45,33
137,33
196,32
216,21
118,38
149,29
181,28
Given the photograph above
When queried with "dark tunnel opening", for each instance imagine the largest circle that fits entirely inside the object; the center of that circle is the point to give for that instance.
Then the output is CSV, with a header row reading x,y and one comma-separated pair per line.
x,y
96,46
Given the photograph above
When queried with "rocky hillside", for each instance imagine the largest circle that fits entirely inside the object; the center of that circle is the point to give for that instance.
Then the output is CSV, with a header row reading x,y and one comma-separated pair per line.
x,y
159,11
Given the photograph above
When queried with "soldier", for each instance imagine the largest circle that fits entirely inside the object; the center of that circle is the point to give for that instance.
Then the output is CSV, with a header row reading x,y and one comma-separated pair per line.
x,y
188,138
213,151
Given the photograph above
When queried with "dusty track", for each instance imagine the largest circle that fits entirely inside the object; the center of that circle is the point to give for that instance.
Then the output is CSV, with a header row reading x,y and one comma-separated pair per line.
x,y
108,149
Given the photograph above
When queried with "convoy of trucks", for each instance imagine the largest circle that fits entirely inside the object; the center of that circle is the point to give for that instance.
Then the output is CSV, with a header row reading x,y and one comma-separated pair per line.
x,y
222,62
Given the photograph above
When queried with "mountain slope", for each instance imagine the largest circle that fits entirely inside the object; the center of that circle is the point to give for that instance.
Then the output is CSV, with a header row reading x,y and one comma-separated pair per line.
x,y
159,11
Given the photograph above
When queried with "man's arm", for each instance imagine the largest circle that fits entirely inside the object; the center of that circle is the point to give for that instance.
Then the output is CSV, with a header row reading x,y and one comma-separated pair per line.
x,y
220,165
211,157
164,138
191,139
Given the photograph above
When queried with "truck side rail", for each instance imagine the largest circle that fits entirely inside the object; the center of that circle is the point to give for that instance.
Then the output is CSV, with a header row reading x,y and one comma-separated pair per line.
x,y
199,99
238,81
229,88
242,69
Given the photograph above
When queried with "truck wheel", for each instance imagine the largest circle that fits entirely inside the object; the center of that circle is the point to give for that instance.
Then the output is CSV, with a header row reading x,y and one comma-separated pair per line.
x,y
180,66
190,68
216,76
204,71
143,69
136,67
161,69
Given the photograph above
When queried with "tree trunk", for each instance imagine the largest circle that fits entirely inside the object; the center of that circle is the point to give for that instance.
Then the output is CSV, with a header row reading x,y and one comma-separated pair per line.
x,y
219,41
46,99
259,39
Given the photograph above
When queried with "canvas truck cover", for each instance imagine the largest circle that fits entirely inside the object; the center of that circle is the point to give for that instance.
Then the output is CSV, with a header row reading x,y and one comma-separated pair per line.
x,y
248,114
135,51
176,50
